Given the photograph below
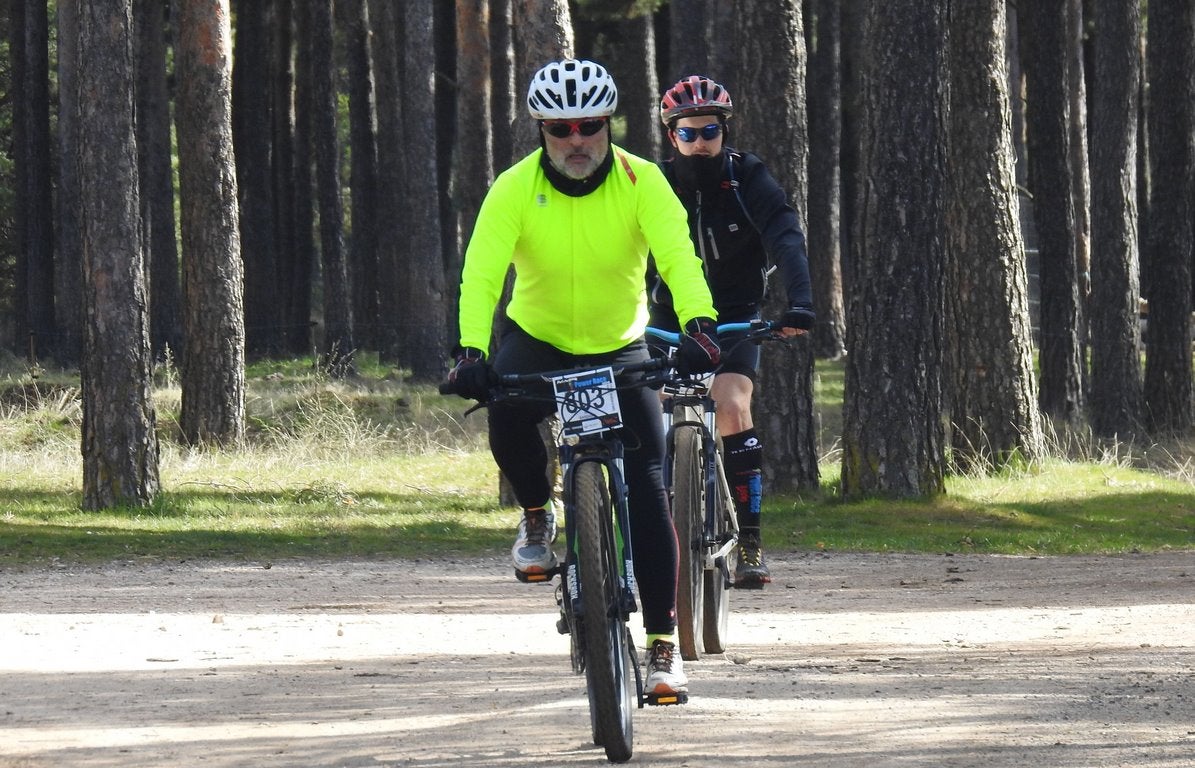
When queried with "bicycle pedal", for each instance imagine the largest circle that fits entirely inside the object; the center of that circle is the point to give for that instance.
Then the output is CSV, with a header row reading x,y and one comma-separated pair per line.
x,y
749,584
535,578
666,699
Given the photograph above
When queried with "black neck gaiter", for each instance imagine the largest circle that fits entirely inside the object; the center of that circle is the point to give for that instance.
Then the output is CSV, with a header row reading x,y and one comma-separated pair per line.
x,y
576,187
698,172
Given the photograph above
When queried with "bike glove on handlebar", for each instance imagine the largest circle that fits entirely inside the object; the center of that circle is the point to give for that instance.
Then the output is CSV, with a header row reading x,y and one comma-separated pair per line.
x,y
699,351
801,318
471,376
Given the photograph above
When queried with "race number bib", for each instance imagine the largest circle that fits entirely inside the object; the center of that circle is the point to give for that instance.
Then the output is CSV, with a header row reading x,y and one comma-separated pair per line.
x,y
587,401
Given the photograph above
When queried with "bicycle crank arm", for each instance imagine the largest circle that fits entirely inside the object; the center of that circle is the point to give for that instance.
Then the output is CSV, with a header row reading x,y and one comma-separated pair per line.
x,y
720,563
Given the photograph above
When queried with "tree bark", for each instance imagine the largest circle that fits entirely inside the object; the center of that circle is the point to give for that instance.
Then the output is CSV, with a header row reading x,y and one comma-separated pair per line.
x,y
338,343
825,180
68,269
363,242
301,269
37,335
293,266
425,306
543,32
993,392
1116,384
507,104
473,159
770,114
688,45
1044,28
629,53
893,431
1171,242
119,444
157,178
213,370
390,174
252,133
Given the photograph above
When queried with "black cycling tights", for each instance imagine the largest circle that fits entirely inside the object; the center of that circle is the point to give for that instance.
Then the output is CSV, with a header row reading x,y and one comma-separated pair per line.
x,y
520,454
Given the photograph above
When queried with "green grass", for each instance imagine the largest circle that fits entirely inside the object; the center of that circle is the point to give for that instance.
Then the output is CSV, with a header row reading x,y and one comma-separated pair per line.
x,y
378,468
1062,508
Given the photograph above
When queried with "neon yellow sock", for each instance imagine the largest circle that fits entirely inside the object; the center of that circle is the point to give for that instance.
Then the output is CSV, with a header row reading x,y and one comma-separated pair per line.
x,y
651,639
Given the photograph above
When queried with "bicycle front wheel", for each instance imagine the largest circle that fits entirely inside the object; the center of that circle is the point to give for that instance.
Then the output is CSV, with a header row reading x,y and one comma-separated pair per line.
x,y
609,677
717,596
688,514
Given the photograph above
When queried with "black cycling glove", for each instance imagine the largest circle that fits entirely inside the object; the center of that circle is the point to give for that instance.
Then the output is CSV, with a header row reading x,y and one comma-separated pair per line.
x,y
471,377
801,318
699,351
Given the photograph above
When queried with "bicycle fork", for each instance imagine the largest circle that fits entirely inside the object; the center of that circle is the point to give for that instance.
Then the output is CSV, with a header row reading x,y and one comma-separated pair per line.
x,y
698,411
571,592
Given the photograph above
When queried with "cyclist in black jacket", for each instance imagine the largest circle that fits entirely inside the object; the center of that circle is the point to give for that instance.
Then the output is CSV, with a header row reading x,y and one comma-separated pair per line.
x,y
741,223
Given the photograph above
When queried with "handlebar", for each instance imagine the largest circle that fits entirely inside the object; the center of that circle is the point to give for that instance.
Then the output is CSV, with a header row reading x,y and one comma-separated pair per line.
x,y
663,367
509,383
757,330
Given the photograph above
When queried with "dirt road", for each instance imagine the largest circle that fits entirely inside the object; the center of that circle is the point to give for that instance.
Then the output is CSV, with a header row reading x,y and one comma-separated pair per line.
x,y
847,660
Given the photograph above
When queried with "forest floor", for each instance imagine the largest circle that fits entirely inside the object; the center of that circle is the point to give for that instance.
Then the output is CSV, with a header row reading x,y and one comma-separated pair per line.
x,y
846,660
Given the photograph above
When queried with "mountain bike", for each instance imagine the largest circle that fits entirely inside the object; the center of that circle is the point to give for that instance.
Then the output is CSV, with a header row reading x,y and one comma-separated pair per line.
x,y
703,508
596,593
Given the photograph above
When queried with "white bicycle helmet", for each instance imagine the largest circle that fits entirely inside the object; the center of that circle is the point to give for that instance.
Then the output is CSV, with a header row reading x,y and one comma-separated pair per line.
x,y
570,90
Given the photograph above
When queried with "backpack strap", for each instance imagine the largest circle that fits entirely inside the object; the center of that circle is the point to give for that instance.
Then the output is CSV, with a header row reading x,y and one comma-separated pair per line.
x,y
734,157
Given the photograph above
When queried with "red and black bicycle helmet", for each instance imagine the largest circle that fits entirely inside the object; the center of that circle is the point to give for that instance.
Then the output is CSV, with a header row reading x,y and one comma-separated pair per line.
x,y
695,95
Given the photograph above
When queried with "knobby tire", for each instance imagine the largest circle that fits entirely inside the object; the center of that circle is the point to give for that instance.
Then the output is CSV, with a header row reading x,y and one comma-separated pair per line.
x,y
716,603
608,676
688,514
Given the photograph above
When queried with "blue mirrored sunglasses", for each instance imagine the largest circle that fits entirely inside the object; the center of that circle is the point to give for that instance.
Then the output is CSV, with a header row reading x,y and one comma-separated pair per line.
x,y
708,133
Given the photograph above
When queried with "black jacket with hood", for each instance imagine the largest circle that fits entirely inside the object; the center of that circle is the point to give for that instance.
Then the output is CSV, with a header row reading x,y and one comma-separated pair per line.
x,y
741,224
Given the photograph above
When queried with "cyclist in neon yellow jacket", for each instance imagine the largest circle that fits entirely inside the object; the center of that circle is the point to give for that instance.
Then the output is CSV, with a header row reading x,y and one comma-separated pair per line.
x,y
577,218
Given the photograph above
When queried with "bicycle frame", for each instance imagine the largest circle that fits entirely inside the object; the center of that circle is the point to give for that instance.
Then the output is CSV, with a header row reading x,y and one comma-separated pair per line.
x,y
607,452
692,407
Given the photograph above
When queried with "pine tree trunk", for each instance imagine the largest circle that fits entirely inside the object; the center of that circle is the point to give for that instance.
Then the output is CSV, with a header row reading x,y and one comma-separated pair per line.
x,y
213,369
1043,26
292,308
300,269
391,171
362,257
1170,244
157,178
68,270
252,133
473,159
37,336
1116,384
119,444
425,306
770,115
893,432
993,392
825,181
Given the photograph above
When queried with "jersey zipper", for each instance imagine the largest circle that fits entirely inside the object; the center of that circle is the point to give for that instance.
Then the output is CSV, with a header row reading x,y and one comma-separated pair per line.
x,y
702,233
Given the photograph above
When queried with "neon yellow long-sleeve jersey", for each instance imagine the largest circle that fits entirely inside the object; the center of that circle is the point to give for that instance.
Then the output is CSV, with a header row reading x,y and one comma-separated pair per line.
x,y
579,261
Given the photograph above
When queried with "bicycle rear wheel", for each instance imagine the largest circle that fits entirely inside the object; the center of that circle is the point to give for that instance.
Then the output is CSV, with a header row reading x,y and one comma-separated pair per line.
x,y
609,677
688,513
716,603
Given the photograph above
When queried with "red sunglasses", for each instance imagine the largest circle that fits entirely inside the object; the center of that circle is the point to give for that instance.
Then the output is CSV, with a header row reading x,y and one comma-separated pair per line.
x,y
562,129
